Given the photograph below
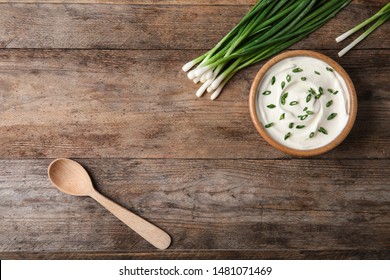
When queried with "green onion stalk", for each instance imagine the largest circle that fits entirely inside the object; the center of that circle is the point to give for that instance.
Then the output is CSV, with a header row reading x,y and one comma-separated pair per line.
x,y
381,17
267,29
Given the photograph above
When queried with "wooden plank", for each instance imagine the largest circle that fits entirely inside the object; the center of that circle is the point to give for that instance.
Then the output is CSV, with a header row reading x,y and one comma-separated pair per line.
x,y
145,2
163,2
264,205
207,255
196,168
80,26
139,104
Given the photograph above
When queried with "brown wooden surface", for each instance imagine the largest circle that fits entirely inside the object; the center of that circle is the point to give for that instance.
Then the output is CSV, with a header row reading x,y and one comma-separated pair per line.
x,y
102,83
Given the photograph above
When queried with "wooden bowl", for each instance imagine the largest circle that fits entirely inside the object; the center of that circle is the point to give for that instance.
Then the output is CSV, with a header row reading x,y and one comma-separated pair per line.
x,y
253,105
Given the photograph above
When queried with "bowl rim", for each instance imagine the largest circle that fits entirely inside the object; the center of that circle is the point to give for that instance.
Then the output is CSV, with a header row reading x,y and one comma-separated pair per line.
x,y
352,103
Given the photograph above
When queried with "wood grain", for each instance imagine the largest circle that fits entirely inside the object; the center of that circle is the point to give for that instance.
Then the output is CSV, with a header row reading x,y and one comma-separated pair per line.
x,y
100,81
207,255
279,204
114,104
139,2
162,2
71,178
80,26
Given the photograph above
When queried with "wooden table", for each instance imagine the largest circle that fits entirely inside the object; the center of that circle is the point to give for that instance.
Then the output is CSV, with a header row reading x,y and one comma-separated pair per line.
x,y
101,82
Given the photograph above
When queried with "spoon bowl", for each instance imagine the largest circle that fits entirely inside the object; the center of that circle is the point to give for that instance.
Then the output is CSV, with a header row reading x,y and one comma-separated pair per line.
x,y
71,178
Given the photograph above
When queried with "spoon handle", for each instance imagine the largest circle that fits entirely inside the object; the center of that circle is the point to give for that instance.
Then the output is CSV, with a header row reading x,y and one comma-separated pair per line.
x,y
154,235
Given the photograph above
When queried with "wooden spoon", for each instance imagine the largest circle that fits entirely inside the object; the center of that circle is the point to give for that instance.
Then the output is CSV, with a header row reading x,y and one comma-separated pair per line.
x,y
71,178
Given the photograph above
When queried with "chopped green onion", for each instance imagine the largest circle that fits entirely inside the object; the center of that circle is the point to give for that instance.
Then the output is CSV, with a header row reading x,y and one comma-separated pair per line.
x,y
293,103
291,125
332,116
312,91
310,112
283,84
271,106
323,130
330,103
329,69
316,72
288,78
269,125
308,98
273,80
267,92
283,98
297,70
312,135
302,118
303,78
300,126
288,135
282,116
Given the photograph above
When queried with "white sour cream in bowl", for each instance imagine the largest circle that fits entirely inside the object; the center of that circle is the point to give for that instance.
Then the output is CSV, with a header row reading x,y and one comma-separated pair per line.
x,y
303,103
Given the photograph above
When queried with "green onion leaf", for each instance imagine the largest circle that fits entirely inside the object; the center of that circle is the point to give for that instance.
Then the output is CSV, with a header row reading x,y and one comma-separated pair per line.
x,y
303,78
283,98
297,70
332,116
318,73
330,103
313,91
271,106
300,126
288,135
267,92
293,103
381,17
329,69
312,135
267,29
291,125
282,116
323,130
302,118
288,78
269,125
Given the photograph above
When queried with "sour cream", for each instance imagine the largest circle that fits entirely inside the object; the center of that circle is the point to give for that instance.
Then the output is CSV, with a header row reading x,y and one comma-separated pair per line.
x,y
303,103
